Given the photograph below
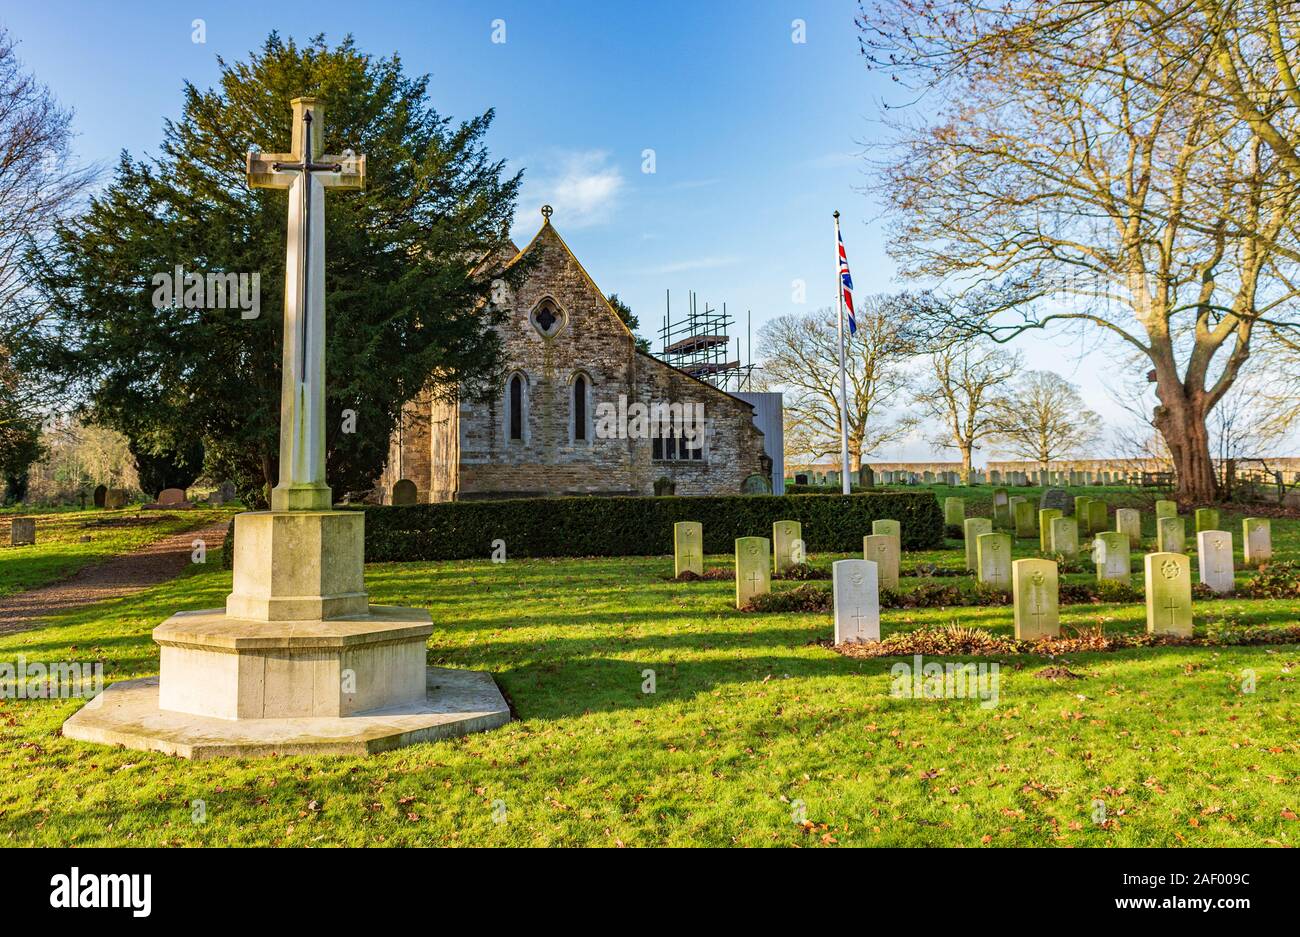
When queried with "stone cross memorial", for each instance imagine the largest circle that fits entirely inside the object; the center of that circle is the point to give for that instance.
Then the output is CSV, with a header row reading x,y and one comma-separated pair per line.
x,y
1171,534
298,662
994,555
787,545
1034,599
688,548
753,568
1169,594
1128,521
882,550
1214,559
975,527
857,601
1257,540
1111,556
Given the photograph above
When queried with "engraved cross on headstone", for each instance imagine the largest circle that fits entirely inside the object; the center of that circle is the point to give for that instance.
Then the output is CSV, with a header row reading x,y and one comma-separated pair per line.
x,y
306,172
754,579
857,618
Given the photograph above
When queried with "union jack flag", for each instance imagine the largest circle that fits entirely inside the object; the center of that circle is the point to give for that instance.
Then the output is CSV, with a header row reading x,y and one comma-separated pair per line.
x,y
846,283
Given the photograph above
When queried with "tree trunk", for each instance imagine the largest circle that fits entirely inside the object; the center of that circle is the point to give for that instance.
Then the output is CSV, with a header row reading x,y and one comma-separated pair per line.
x,y
965,464
1182,424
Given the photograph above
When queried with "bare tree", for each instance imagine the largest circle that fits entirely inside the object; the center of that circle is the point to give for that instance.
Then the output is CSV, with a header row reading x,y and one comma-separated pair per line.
x,y
39,184
1056,178
960,390
1043,419
801,357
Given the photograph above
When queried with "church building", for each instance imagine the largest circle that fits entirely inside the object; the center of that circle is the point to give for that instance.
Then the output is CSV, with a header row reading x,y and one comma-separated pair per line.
x,y
565,419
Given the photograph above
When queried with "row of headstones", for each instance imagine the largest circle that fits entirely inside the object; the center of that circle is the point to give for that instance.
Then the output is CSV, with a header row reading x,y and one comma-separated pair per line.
x,y
757,558
1034,597
868,477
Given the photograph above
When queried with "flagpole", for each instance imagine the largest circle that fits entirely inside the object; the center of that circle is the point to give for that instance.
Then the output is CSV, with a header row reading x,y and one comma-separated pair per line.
x,y
844,393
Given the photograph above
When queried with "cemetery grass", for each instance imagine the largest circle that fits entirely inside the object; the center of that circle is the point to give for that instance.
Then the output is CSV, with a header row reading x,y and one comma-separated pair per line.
x,y
59,552
751,727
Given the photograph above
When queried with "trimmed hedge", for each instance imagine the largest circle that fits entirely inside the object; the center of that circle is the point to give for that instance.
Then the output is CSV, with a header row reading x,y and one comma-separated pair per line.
x,y
540,527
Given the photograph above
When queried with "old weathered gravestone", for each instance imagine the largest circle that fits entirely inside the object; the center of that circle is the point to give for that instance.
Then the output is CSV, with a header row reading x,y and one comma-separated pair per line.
x,y
1166,509
1214,559
1059,499
974,528
954,512
857,601
1207,519
1128,521
1045,518
1023,515
756,485
1169,594
787,545
1034,599
753,568
1257,540
1171,534
866,477
882,549
890,527
22,531
993,553
404,492
1111,555
1065,537
800,478
100,493
117,498
688,548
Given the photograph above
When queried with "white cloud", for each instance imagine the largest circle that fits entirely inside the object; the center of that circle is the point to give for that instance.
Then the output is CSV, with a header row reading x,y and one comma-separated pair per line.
x,y
581,186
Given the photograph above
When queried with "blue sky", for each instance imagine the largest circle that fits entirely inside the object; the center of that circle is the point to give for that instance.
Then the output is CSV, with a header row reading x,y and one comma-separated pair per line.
x,y
756,138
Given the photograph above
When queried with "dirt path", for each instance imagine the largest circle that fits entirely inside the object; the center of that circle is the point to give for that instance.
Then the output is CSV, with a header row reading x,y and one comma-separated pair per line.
x,y
122,575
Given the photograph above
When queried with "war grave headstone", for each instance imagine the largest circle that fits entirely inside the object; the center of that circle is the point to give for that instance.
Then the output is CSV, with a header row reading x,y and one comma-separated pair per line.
x,y
1207,519
1034,599
1166,509
1128,521
1098,518
889,527
1065,537
1110,554
856,595
1045,518
787,545
954,512
1168,594
974,528
1001,508
993,552
882,549
1257,540
753,568
1214,559
688,548
1023,515
1171,534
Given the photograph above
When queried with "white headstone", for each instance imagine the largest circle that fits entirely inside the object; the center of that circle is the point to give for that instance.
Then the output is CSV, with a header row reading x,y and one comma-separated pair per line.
x,y
857,601
1214,559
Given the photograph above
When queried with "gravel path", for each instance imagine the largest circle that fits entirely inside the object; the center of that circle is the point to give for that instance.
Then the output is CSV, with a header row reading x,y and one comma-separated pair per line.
x,y
122,575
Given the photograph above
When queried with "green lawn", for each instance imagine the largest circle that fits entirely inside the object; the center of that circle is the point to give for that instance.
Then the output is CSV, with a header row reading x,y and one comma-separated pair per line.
x,y
752,727
59,550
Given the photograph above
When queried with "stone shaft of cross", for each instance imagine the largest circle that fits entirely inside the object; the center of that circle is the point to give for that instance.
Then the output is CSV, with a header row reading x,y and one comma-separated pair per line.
x,y
306,172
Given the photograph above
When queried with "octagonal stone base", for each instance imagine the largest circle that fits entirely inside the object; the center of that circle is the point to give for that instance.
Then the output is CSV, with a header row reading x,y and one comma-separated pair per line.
x,y
456,703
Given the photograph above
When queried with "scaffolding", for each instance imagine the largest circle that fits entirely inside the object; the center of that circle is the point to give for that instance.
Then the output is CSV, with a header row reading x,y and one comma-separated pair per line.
x,y
700,345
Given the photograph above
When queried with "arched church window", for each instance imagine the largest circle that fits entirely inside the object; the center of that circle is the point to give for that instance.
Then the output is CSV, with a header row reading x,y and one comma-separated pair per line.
x,y
580,409
516,407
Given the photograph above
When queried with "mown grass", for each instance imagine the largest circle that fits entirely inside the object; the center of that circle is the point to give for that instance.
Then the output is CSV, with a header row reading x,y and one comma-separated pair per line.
x,y
59,551
751,727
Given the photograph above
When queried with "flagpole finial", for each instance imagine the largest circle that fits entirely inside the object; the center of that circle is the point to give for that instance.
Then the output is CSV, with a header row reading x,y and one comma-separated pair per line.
x,y
837,216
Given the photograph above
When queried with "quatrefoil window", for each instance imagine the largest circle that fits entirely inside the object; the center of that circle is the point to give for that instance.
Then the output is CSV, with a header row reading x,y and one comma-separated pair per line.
x,y
547,318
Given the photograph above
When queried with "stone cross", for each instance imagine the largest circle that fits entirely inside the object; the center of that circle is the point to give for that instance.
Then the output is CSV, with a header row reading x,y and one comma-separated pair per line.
x,y
306,171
